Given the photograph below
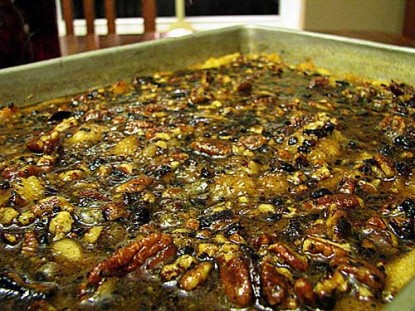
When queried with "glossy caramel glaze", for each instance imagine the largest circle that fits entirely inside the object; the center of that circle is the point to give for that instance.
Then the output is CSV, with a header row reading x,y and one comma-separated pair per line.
x,y
242,183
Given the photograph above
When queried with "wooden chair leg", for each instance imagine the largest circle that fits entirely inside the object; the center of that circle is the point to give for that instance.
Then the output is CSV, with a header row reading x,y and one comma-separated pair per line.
x,y
409,24
89,14
110,15
149,13
68,16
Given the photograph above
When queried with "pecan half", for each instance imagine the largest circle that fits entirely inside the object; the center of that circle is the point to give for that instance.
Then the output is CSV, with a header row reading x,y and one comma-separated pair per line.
x,y
347,185
132,127
304,291
274,285
385,165
289,257
319,82
262,241
340,200
30,244
136,254
212,147
135,185
323,250
362,271
161,257
253,142
235,278
46,206
377,236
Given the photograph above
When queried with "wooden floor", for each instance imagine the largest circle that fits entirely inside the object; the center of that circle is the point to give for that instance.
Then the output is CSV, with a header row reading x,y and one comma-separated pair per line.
x,y
73,44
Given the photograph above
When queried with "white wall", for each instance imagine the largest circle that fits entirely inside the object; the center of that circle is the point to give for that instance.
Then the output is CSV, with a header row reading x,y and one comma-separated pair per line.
x,y
367,15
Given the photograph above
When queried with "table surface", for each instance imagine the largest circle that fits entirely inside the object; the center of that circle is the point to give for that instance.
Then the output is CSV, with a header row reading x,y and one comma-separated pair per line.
x,y
74,44
78,44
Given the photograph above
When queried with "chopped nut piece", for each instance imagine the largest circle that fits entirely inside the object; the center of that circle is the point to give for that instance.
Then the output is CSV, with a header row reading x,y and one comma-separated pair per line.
x,y
180,265
92,235
7,215
61,224
325,289
10,238
68,250
86,134
114,210
30,188
196,276
266,208
47,143
227,186
207,249
127,146
26,218
71,175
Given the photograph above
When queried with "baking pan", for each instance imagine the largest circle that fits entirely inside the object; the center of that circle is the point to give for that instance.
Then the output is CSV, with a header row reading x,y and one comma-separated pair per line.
x,y
32,83
28,84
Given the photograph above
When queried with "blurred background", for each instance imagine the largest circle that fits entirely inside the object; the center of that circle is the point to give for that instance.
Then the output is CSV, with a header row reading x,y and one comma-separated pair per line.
x,y
38,30
165,8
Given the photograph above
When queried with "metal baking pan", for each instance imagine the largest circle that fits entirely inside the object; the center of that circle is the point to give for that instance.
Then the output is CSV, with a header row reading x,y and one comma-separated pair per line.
x,y
29,84
32,83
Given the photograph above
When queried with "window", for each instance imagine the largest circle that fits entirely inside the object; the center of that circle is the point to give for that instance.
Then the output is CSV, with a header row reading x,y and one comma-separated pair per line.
x,y
131,8
231,7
